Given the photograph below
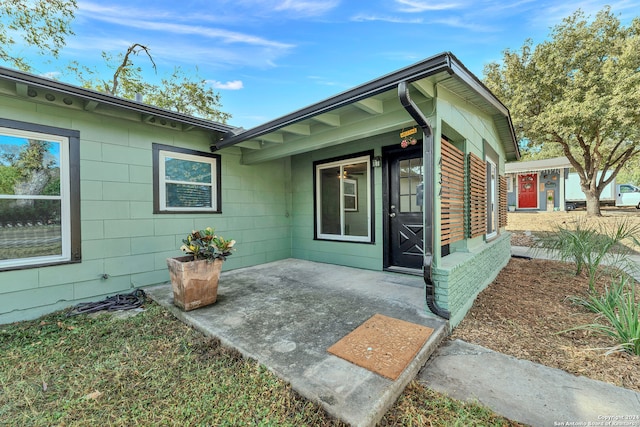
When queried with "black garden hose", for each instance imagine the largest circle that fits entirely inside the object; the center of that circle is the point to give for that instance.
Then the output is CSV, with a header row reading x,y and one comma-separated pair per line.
x,y
117,302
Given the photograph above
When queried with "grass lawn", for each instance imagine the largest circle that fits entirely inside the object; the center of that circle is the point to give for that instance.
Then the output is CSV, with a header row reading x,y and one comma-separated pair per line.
x,y
152,369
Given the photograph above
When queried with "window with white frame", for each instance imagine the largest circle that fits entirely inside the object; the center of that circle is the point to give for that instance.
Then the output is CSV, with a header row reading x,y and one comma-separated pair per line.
x,y
343,199
492,198
39,195
185,181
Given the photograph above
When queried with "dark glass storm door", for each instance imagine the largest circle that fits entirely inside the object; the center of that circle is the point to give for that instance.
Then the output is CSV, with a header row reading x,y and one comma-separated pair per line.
x,y
403,206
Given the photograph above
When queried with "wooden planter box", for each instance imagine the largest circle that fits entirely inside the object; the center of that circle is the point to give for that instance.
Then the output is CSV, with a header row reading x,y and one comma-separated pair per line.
x,y
195,283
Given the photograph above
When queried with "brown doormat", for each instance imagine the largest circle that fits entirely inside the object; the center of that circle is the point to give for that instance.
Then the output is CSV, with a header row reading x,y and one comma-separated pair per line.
x,y
383,345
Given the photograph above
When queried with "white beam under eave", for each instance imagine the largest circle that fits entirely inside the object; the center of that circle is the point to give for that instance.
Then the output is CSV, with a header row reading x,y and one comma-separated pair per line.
x,y
425,88
371,106
328,119
273,137
252,144
22,89
298,129
90,105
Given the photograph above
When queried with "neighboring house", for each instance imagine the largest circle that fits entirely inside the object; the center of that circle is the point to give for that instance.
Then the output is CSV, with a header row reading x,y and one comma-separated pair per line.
x,y
329,183
537,185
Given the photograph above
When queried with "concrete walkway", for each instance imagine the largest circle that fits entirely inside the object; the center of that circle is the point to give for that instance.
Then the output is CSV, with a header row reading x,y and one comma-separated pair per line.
x,y
528,392
286,314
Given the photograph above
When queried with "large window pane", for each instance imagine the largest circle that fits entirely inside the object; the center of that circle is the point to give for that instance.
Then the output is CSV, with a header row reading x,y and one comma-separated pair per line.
x,y
187,171
30,228
191,196
343,200
411,183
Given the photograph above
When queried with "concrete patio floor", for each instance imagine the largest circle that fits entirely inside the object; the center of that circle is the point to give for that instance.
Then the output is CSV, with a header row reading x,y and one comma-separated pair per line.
x,y
286,314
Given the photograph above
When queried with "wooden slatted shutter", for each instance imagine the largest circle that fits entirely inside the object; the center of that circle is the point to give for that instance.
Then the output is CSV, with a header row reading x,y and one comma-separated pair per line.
x,y
477,223
502,212
452,193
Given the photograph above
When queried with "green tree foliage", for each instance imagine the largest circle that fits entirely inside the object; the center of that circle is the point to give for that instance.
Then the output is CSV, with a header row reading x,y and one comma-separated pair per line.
x,y
8,178
43,24
30,159
188,94
577,94
29,171
630,172
181,92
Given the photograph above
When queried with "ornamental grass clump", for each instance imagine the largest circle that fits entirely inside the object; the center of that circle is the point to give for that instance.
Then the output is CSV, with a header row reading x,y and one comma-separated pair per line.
x,y
206,245
590,246
619,309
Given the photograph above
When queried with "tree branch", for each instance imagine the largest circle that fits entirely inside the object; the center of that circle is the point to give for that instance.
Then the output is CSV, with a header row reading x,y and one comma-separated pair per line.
x,y
133,49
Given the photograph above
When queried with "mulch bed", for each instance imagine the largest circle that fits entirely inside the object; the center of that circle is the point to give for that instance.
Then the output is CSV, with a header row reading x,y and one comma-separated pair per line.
x,y
524,312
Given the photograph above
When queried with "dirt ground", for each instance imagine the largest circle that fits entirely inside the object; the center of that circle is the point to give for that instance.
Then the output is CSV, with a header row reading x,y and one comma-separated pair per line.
x,y
526,311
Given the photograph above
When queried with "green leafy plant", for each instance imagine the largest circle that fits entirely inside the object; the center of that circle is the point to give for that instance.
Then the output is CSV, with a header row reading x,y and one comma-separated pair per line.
x,y
205,244
591,245
619,309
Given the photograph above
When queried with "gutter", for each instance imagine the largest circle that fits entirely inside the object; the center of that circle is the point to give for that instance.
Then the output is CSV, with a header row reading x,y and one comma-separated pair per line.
x,y
416,114
31,80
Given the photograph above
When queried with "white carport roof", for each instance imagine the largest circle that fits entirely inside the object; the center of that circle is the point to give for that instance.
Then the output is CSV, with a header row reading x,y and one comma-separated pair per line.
x,y
537,165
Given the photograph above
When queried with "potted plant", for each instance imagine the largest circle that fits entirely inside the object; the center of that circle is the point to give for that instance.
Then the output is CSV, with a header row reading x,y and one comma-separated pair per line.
x,y
195,276
512,208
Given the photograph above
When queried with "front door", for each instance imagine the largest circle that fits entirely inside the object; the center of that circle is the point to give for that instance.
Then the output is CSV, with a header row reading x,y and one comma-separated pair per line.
x,y
528,191
403,208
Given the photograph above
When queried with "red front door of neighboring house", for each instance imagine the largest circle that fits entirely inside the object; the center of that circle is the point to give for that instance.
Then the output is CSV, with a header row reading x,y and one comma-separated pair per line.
x,y
528,191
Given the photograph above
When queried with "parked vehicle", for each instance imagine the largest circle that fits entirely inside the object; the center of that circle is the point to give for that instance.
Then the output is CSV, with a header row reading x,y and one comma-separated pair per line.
x,y
613,194
628,195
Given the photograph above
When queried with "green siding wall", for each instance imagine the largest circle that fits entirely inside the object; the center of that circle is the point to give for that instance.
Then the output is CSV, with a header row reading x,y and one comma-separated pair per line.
x,y
121,236
359,255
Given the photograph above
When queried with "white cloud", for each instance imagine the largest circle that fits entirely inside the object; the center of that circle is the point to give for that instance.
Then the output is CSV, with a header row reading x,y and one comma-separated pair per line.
x,y
417,6
172,37
231,85
307,8
224,36
392,19
166,23
324,82
457,22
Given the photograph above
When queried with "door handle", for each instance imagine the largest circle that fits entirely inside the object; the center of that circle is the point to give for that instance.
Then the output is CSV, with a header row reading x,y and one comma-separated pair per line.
x,y
392,215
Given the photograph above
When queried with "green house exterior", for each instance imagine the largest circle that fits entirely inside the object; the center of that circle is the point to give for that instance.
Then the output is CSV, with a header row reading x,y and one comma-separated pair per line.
x,y
329,183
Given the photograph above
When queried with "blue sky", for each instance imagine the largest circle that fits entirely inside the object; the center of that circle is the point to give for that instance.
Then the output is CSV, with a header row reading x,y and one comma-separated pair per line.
x,y
270,57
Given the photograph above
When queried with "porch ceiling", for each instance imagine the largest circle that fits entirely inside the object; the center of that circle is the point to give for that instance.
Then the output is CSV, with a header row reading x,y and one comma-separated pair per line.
x,y
367,110
371,116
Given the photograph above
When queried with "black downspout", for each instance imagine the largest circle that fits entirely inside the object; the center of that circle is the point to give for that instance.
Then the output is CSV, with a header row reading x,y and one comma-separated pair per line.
x,y
416,114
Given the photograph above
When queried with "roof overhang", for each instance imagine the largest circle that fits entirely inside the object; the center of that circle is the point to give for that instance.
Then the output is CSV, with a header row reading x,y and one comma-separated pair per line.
x,y
48,91
369,109
537,165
